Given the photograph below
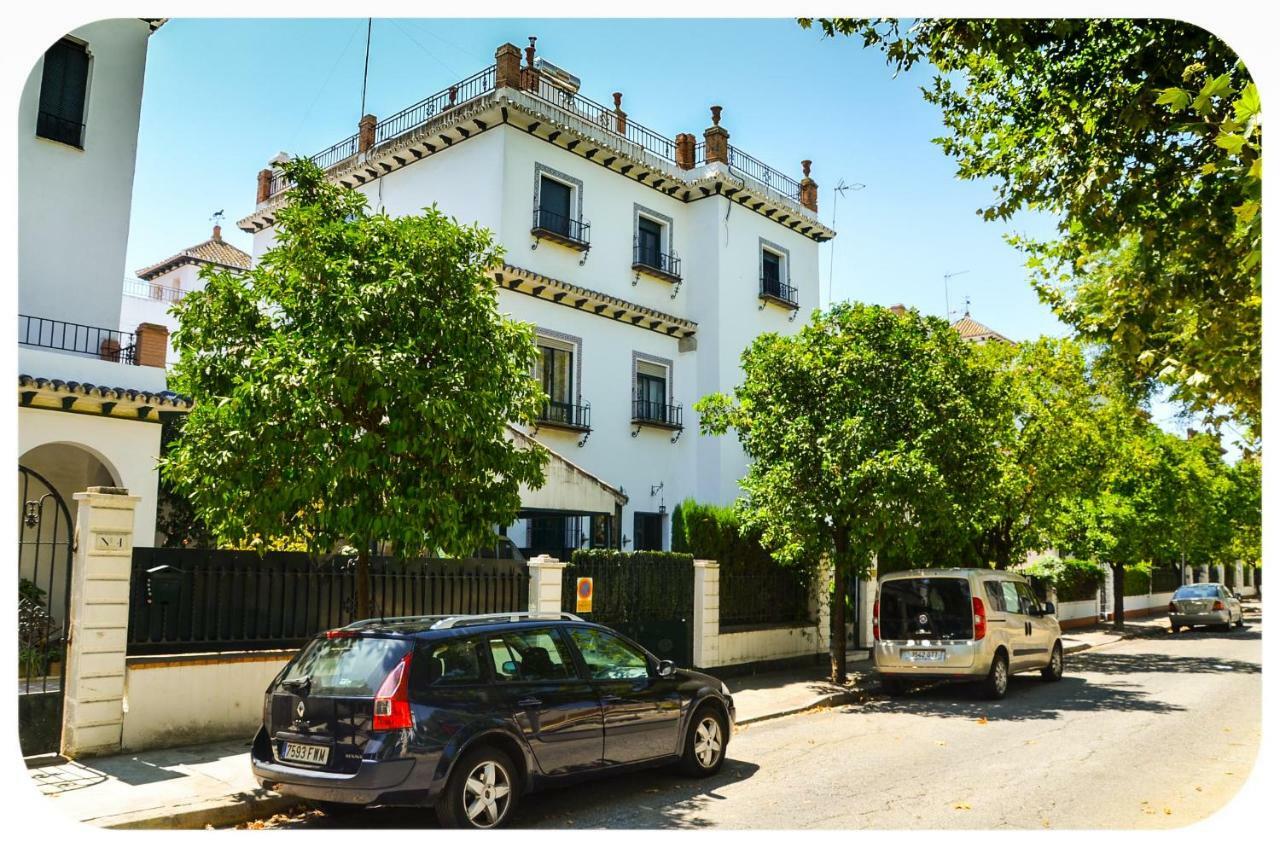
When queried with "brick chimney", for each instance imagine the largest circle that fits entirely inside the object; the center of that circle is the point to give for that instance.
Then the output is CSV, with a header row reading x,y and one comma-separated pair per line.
x,y
619,115
264,185
898,309
808,189
217,232
368,132
508,61
686,147
717,139
152,345
529,76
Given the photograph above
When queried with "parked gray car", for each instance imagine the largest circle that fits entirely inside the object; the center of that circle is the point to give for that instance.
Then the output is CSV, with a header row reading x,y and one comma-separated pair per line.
x,y
963,624
1211,604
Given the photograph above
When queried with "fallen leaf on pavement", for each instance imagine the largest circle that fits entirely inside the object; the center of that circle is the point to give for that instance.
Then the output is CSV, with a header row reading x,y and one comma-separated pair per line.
x,y
960,807
940,743
982,720
1168,812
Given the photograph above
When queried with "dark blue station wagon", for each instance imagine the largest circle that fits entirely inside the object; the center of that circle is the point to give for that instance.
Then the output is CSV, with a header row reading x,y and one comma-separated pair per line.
x,y
468,713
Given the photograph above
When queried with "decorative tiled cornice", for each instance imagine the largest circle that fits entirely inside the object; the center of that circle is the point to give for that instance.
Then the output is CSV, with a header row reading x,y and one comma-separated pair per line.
x,y
87,398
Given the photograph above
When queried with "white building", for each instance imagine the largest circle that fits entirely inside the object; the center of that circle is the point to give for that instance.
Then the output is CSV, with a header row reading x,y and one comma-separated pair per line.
x,y
647,265
159,286
90,395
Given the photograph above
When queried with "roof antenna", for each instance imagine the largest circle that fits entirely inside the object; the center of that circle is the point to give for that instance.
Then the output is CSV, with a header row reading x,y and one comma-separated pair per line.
x,y
966,306
946,288
364,83
839,191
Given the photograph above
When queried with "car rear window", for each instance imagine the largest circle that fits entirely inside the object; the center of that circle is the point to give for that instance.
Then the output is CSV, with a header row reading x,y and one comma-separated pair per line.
x,y
926,608
1183,592
347,666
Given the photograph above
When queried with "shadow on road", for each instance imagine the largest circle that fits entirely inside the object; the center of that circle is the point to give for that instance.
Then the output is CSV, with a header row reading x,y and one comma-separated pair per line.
x,y
654,799
1116,663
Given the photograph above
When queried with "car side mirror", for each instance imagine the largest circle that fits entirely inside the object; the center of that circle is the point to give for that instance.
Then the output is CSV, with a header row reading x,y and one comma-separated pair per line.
x,y
510,668
1048,609
666,668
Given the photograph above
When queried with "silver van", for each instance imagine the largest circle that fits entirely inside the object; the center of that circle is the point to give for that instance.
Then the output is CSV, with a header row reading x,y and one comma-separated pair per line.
x,y
962,624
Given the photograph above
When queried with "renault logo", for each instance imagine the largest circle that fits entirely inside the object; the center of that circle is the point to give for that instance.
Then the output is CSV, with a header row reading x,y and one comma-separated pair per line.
x,y
924,619
302,709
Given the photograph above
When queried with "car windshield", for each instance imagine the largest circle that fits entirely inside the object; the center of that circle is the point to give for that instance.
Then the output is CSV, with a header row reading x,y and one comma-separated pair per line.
x,y
1201,591
926,608
345,666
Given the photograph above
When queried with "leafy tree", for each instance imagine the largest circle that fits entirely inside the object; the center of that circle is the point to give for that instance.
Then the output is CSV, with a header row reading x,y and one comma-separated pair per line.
x,y
1144,138
355,387
1242,510
1052,449
867,433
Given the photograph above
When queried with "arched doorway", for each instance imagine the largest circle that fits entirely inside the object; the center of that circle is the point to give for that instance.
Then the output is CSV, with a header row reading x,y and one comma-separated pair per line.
x,y
45,533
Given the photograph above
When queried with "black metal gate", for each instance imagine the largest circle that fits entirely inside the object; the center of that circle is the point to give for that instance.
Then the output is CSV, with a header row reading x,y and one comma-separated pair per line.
x,y
648,599
45,535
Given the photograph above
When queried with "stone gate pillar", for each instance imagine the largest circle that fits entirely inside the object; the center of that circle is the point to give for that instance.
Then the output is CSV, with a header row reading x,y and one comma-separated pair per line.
x,y
706,613
93,709
545,577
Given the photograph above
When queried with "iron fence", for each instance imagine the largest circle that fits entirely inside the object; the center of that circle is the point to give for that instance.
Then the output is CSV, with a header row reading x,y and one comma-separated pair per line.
x,y
657,412
770,178
1165,579
152,291
569,414
759,597
69,337
185,600
547,222
651,258
773,287
424,110
606,119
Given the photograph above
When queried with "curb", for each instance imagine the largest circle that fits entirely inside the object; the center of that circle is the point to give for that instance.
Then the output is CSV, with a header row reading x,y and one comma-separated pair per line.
x,y
221,813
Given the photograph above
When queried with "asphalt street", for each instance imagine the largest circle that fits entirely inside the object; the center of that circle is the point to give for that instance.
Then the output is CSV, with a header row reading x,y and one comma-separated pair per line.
x,y
1153,732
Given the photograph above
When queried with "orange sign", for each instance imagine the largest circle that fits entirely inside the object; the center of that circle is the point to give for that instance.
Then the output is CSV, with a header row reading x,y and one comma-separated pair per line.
x,y
586,588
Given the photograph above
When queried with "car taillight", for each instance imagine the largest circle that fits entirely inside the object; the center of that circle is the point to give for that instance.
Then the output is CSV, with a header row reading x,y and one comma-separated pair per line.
x,y
1173,607
875,619
1219,606
391,704
979,619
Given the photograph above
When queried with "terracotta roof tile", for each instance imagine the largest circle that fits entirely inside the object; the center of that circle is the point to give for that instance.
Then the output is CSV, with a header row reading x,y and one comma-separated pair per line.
x,y
214,251
971,330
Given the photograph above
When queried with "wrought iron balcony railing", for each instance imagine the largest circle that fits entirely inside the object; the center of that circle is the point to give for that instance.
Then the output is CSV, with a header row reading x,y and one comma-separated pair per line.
x,y
772,287
575,416
152,291
109,345
561,228
654,261
669,415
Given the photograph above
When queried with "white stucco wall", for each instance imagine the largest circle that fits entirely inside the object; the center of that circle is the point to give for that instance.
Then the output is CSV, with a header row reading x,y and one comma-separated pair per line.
x,y
73,205
743,646
195,698
129,450
490,179
83,368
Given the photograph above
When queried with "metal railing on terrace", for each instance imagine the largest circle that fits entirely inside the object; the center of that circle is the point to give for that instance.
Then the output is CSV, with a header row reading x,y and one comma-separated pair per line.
x,y
69,337
152,291
584,108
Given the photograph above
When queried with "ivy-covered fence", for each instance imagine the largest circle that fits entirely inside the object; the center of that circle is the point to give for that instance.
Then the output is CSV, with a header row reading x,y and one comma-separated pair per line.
x,y
1165,579
1073,579
756,592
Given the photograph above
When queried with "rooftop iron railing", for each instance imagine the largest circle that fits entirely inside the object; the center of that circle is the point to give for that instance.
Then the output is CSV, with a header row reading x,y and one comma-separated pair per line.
x,y
69,337
152,291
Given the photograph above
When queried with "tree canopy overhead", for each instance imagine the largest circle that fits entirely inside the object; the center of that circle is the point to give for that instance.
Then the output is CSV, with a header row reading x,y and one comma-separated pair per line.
x,y
355,386
1144,138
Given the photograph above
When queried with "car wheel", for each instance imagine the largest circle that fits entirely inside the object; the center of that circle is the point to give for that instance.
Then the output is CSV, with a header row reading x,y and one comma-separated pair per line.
x,y
482,792
997,682
1053,671
704,747
337,809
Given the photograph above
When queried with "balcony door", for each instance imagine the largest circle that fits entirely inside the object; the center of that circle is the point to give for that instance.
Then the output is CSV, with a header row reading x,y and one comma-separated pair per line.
x,y
649,243
554,199
555,371
651,392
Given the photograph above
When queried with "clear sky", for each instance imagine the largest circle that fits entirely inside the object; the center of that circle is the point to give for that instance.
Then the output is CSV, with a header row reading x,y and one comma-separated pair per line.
x,y
223,96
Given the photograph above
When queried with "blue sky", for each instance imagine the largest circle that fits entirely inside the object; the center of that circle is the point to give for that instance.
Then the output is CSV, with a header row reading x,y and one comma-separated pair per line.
x,y
223,96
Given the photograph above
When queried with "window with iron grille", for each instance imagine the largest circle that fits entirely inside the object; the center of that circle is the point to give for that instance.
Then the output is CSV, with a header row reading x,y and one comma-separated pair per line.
x,y
64,86
554,206
649,242
555,370
651,392
771,264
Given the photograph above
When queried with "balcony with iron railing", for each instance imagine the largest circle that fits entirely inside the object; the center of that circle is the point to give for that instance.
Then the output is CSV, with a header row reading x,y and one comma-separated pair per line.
x,y
80,339
560,228
651,260
658,413
776,290
152,291
564,415
576,111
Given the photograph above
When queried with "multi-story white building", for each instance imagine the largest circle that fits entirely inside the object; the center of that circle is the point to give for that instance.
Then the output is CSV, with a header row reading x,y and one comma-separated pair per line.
x,y
646,263
90,395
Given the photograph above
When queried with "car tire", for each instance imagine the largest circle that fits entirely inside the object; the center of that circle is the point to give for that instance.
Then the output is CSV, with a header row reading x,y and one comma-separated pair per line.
x,y
474,797
337,809
1053,671
705,743
997,683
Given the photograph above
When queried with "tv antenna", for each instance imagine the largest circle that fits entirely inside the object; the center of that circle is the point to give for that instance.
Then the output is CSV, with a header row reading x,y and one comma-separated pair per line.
x,y
946,288
839,192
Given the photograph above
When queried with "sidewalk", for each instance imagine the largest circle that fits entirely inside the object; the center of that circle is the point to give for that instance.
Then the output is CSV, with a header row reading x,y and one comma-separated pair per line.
x,y
212,785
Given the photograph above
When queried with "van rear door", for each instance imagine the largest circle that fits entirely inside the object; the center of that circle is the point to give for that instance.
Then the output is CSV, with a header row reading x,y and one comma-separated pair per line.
x,y
928,621
320,712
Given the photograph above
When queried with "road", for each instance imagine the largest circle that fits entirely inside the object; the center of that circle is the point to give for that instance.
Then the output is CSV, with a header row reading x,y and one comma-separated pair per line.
x,y
1156,732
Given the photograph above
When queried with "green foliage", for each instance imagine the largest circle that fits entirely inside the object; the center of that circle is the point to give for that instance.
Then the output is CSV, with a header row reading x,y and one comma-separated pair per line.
x,y
715,532
608,557
355,387
867,433
1073,579
1137,579
176,518
1144,139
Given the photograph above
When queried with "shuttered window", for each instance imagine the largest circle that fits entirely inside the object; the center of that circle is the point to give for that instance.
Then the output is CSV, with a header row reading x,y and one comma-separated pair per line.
x,y
63,89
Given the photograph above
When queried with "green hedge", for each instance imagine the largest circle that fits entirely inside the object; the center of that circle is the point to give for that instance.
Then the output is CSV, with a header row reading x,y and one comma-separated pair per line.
x,y
631,587
1074,579
608,556
1137,579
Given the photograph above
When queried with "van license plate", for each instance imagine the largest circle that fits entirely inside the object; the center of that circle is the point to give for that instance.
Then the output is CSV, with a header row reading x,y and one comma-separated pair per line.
x,y
312,755
924,656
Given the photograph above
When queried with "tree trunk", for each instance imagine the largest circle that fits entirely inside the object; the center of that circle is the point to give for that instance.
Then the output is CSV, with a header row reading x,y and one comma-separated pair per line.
x,y
362,584
840,583
1117,591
